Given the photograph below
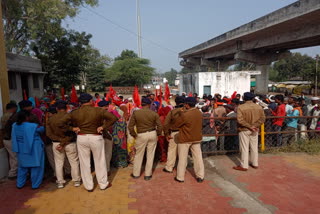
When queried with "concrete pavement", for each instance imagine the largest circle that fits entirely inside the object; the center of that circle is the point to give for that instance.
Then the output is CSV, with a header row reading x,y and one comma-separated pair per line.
x,y
287,183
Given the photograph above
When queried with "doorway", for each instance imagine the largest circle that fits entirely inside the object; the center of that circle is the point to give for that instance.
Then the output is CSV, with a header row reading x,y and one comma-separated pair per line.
x,y
25,84
207,89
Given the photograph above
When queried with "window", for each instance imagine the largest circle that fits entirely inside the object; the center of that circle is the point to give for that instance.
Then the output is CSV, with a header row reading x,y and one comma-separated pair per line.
x,y
12,80
35,81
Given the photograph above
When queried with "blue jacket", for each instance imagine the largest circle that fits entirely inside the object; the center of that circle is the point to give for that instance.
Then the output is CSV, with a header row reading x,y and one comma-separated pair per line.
x,y
27,143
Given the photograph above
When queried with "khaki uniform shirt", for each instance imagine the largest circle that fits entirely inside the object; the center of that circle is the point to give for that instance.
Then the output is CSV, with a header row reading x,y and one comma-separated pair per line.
x,y
169,123
250,115
189,123
59,133
88,119
4,127
145,120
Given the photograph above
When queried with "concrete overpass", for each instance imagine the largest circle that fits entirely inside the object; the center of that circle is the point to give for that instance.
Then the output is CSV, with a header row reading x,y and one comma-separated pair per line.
x,y
261,41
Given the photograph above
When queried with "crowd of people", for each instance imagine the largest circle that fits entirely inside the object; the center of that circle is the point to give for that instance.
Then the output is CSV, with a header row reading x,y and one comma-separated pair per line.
x,y
68,137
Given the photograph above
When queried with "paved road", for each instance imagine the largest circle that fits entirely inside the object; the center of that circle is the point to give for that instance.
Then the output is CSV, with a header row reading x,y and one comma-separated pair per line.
x,y
287,183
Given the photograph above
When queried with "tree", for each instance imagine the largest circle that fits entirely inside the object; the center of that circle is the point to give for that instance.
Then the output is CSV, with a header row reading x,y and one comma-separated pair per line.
x,y
64,58
294,66
95,71
244,66
171,76
129,70
126,54
33,20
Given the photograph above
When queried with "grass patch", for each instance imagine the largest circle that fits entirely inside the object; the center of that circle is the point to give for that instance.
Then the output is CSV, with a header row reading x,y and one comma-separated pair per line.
x,y
311,147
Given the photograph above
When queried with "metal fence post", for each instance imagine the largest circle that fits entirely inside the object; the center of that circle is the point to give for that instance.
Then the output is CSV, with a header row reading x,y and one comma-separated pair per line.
x,y
262,134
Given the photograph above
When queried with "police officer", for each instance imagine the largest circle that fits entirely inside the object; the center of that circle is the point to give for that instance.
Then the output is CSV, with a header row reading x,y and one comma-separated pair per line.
x,y
88,123
189,123
148,127
63,144
171,132
108,143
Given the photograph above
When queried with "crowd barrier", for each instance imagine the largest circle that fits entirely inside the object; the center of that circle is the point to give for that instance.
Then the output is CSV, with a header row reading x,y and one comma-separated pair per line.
x,y
225,137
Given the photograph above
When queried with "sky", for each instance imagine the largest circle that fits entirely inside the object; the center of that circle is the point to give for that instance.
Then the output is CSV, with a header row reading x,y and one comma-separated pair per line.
x,y
168,26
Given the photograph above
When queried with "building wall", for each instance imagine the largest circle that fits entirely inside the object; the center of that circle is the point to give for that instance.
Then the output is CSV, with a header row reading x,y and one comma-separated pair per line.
x,y
224,83
38,92
189,83
16,94
27,67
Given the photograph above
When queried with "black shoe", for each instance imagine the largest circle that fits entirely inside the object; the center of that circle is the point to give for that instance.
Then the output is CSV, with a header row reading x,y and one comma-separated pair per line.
x,y
147,178
176,179
91,190
134,177
109,185
167,171
12,178
200,180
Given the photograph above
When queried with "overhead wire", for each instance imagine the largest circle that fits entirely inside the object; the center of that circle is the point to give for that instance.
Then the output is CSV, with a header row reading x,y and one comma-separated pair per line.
x,y
131,32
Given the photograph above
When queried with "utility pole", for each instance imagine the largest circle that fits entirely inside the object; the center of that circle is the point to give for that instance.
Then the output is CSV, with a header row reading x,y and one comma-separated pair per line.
x,y
139,29
4,85
316,83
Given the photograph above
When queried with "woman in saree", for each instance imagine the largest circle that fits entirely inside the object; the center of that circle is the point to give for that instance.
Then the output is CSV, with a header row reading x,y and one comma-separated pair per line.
x,y
119,151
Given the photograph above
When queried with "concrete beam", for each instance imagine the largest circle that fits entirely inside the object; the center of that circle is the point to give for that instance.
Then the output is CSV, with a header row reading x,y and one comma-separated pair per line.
x,y
260,58
295,15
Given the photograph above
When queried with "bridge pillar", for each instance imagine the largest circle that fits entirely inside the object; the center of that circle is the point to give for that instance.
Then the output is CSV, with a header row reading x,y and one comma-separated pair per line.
x,y
262,80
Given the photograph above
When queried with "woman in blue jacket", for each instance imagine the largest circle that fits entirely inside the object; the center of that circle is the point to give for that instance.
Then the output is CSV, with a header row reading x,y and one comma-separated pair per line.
x,y
27,143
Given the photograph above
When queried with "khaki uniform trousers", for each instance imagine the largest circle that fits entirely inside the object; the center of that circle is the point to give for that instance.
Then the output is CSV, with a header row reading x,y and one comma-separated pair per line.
x,y
172,152
145,140
248,140
70,150
92,143
13,162
108,149
183,150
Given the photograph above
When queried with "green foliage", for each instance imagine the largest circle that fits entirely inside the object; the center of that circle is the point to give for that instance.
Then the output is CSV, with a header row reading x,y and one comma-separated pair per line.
x,y
308,146
294,66
126,54
33,20
96,69
64,58
171,76
129,70
244,66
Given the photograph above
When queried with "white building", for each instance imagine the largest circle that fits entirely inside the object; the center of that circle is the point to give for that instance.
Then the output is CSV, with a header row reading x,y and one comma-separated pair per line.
x,y
224,83
24,73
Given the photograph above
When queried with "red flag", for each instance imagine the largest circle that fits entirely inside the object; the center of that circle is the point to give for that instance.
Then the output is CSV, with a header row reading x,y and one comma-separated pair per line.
x,y
37,101
62,92
107,96
74,97
113,94
167,93
160,97
25,97
136,97
190,94
156,97
234,95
